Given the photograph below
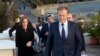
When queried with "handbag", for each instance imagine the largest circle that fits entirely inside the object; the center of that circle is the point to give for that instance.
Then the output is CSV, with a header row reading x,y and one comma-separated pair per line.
x,y
84,55
36,37
36,48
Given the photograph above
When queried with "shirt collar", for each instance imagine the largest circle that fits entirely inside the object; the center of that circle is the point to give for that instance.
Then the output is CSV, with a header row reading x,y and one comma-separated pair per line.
x,y
65,23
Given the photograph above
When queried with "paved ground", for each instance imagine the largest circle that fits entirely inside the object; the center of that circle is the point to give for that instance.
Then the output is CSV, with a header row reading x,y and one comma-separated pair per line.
x,y
93,50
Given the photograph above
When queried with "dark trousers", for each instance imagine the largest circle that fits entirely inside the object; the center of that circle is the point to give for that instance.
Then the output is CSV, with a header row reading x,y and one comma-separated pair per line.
x,y
63,54
25,52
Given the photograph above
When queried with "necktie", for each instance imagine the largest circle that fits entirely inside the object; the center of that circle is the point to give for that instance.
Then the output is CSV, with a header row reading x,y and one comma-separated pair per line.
x,y
63,33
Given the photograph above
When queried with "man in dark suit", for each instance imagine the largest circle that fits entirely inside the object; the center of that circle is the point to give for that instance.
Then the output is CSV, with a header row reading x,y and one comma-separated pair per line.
x,y
64,36
45,28
71,17
83,46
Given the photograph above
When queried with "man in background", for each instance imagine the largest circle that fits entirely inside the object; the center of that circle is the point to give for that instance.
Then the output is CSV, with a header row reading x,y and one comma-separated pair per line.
x,y
45,28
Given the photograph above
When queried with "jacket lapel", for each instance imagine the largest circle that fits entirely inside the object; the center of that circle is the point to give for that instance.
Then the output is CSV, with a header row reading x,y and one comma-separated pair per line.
x,y
57,29
69,29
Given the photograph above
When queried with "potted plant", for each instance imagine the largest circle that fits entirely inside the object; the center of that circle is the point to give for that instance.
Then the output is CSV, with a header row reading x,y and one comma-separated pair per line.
x,y
97,21
98,33
93,34
94,31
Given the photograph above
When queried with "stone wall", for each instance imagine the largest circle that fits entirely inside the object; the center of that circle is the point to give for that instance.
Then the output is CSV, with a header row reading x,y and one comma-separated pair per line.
x,y
42,10
78,8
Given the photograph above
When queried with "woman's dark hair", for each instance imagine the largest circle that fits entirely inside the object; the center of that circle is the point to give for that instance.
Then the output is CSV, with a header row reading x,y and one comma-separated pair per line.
x,y
21,20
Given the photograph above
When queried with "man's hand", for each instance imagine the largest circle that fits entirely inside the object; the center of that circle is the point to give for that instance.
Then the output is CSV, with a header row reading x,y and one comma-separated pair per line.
x,y
29,44
42,44
83,53
46,33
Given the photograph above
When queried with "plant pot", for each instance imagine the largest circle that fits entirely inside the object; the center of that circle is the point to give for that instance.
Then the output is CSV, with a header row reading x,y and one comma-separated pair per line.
x,y
94,41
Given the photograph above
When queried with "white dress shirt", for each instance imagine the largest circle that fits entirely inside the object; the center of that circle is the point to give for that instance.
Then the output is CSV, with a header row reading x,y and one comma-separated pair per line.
x,y
65,28
36,37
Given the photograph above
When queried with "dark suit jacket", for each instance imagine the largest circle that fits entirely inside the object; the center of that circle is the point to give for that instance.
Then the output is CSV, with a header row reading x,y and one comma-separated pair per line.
x,y
83,47
72,46
44,29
